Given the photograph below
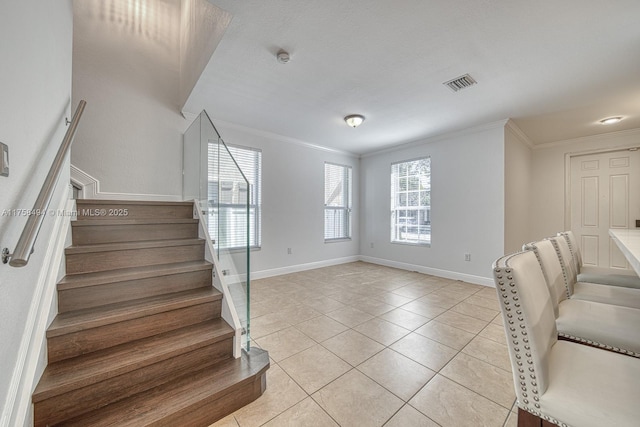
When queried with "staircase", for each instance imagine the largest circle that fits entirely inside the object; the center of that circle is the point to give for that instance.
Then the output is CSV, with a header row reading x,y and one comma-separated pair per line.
x,y
139,340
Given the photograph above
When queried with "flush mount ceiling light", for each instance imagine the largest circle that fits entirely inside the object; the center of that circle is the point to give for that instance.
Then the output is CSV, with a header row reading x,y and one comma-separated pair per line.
x,y
610,120
354,120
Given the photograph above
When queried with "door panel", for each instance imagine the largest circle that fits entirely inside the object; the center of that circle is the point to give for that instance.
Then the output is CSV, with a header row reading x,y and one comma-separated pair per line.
x,y
619,207
619,162
590,250
590,202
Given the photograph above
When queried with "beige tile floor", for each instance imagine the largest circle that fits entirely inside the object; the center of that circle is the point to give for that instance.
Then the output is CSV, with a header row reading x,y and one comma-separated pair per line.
x,y
359,345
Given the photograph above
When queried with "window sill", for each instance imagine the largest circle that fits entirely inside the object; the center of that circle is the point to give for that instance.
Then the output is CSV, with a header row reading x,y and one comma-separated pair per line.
x,y
426,245
347,239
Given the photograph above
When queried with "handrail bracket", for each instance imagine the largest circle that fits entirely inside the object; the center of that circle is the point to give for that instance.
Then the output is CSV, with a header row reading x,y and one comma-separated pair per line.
x,y
27,240
6,256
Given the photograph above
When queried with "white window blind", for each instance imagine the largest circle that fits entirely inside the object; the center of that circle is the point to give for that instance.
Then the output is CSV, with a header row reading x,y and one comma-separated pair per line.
x,y
229,195
337,202
411,201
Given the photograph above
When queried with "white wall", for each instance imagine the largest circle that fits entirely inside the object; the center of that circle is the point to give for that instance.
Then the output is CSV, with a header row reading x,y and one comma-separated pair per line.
x,y
548,170
35,83
517,189
126,65
293,202
467,197
201,29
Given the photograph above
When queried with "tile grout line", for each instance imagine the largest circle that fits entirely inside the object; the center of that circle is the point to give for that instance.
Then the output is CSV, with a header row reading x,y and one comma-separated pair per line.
x,y
308,396
354,305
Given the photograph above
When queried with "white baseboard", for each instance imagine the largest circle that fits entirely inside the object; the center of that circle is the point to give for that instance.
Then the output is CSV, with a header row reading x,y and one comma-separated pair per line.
x,y
90,189
469,278
18,406
302,267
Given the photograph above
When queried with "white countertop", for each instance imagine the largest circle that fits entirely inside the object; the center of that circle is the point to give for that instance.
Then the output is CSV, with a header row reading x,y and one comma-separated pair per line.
x,y
628,240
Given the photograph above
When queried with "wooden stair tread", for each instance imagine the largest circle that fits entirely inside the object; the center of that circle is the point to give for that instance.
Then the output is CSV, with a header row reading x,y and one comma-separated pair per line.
x,y
131,202
75,321
143,221
64,376
180,395
81,280
139,339
89,210
107,247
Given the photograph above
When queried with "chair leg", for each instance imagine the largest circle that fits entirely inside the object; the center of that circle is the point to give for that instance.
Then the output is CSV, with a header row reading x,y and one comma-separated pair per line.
x,y
527,419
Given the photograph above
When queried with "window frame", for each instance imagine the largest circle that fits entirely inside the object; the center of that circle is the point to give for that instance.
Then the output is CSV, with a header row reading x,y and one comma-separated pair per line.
x,y
254,193
423,210
347,211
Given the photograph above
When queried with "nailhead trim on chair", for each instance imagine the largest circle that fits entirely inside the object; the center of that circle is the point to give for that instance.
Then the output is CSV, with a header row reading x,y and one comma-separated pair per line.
x,y
565,274
574,256
600,345
528,383
580,339
532,246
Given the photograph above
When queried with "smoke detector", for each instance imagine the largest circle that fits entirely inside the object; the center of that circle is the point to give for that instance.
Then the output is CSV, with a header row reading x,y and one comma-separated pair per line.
x,y
283,57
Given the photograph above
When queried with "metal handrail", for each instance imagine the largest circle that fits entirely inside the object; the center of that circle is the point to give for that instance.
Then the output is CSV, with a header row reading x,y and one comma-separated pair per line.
x,y
24,247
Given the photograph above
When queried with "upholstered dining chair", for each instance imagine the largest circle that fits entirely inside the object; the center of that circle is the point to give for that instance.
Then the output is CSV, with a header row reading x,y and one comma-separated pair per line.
x,y
616,295
607,326
561,382
619,280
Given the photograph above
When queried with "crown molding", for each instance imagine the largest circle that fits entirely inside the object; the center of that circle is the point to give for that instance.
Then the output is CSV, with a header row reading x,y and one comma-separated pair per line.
x,y
590,138
513,127
282,138
436,138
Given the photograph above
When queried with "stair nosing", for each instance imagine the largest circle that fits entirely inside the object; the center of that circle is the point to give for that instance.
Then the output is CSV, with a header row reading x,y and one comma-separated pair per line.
x,y
121,246
140,221
108,369
142,359
84,280
132,202
186,392
90,318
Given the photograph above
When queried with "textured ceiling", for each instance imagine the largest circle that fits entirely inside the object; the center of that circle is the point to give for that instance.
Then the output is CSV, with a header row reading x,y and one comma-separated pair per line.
x,y
555,67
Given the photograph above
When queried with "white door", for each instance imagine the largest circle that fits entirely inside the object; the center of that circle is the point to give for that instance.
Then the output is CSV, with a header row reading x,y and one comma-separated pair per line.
x,y
604,195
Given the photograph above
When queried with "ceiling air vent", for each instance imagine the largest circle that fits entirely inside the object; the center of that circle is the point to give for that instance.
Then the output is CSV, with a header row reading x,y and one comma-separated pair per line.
x,y
461,82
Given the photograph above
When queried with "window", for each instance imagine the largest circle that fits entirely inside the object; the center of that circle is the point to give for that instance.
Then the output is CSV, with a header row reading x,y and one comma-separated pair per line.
x,y
337,202
411,202
228,191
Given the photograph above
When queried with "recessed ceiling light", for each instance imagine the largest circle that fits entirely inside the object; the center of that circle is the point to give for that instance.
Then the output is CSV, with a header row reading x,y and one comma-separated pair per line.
x,y
354,120
611,120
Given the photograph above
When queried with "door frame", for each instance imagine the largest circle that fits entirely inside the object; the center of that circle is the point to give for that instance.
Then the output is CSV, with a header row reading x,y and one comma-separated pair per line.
x,y
567,174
